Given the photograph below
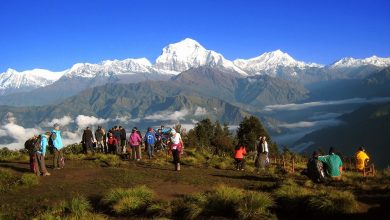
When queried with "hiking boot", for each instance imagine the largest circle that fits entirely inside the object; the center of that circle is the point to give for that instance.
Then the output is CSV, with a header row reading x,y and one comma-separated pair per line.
x,y
178,167
56,168
46,174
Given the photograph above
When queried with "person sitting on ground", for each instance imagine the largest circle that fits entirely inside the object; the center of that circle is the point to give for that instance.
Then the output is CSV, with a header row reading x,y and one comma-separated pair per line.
x,y
87,141
239,155
112,142
315,168
135,142
40,156
361,159
334,165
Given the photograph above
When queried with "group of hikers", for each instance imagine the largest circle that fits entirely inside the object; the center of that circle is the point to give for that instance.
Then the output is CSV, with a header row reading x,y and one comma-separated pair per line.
x,y
319,167
112,142
322,167
115,141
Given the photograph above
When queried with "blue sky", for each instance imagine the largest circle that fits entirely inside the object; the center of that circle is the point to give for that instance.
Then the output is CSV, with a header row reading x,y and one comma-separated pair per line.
x,y
55,34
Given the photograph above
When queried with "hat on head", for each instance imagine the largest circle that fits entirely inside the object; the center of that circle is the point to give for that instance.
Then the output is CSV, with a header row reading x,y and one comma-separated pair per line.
x,y
173,131
56,125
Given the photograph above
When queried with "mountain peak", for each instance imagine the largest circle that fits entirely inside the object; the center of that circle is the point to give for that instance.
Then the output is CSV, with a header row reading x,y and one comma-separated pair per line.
x,y
269,62
188,53
374,60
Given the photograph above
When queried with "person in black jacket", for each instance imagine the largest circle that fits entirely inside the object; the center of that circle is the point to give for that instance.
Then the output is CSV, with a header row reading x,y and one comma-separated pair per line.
x,y
117,135
87,141
123,139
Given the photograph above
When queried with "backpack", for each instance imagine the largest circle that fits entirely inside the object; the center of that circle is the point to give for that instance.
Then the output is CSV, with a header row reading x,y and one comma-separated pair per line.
x,y
150,139
52,137
33,144
99,135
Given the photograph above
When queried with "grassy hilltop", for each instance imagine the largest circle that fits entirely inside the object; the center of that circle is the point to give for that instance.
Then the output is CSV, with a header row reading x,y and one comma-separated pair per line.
x,y
107,187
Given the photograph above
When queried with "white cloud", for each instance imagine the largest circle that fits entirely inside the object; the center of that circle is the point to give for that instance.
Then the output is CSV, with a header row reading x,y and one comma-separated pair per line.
x,y
64,121
310,124
18,133
168,115
83,121
294,107
199,111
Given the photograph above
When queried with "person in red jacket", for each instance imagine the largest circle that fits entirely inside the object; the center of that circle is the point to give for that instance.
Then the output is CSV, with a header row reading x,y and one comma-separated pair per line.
x,y
112,142
239,155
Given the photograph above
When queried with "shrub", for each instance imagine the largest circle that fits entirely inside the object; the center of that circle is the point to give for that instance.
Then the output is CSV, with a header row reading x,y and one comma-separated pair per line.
x,y
333,202
255,205
29,179
7,180
109,159
79,206
13,155
228,202
291,196
159,209
224,202
189,207
129,201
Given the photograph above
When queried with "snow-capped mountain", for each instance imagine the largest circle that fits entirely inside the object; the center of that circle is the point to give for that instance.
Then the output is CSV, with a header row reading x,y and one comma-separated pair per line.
x,y
187,54
350,62
176,58
110,67
12,80
270,62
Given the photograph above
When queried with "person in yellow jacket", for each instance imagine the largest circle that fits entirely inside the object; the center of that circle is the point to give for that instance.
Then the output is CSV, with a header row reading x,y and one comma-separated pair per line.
x,y
361,159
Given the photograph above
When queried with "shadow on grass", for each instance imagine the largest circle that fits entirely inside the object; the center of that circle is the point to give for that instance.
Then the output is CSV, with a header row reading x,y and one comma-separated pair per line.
x,y
13,166
248,177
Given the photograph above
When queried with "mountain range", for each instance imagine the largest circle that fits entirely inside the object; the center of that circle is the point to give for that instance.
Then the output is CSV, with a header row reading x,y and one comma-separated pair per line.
x,y
187,83
174,59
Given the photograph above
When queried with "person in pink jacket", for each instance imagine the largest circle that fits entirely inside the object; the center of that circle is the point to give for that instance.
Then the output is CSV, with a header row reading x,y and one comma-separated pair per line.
x,y
135,142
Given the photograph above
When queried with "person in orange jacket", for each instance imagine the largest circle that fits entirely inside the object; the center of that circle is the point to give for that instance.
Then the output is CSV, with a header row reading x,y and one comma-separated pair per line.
x,y
239,155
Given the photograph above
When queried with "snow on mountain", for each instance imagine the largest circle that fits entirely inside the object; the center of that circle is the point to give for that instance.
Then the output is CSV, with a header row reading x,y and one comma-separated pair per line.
x,y
12,80
351,62
268,63
110,67
187,54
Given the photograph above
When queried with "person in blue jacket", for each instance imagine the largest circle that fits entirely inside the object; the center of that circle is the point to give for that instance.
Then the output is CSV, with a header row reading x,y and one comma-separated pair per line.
x,y
40,156
150,140
58,162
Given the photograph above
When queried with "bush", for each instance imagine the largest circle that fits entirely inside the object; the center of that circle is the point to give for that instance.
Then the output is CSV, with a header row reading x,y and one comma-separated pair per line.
x,y
29,179
129,201
79,206
333,202
255,205
159,209
228,202
224,202
13,155
291,196
189,207
109,159
7,180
